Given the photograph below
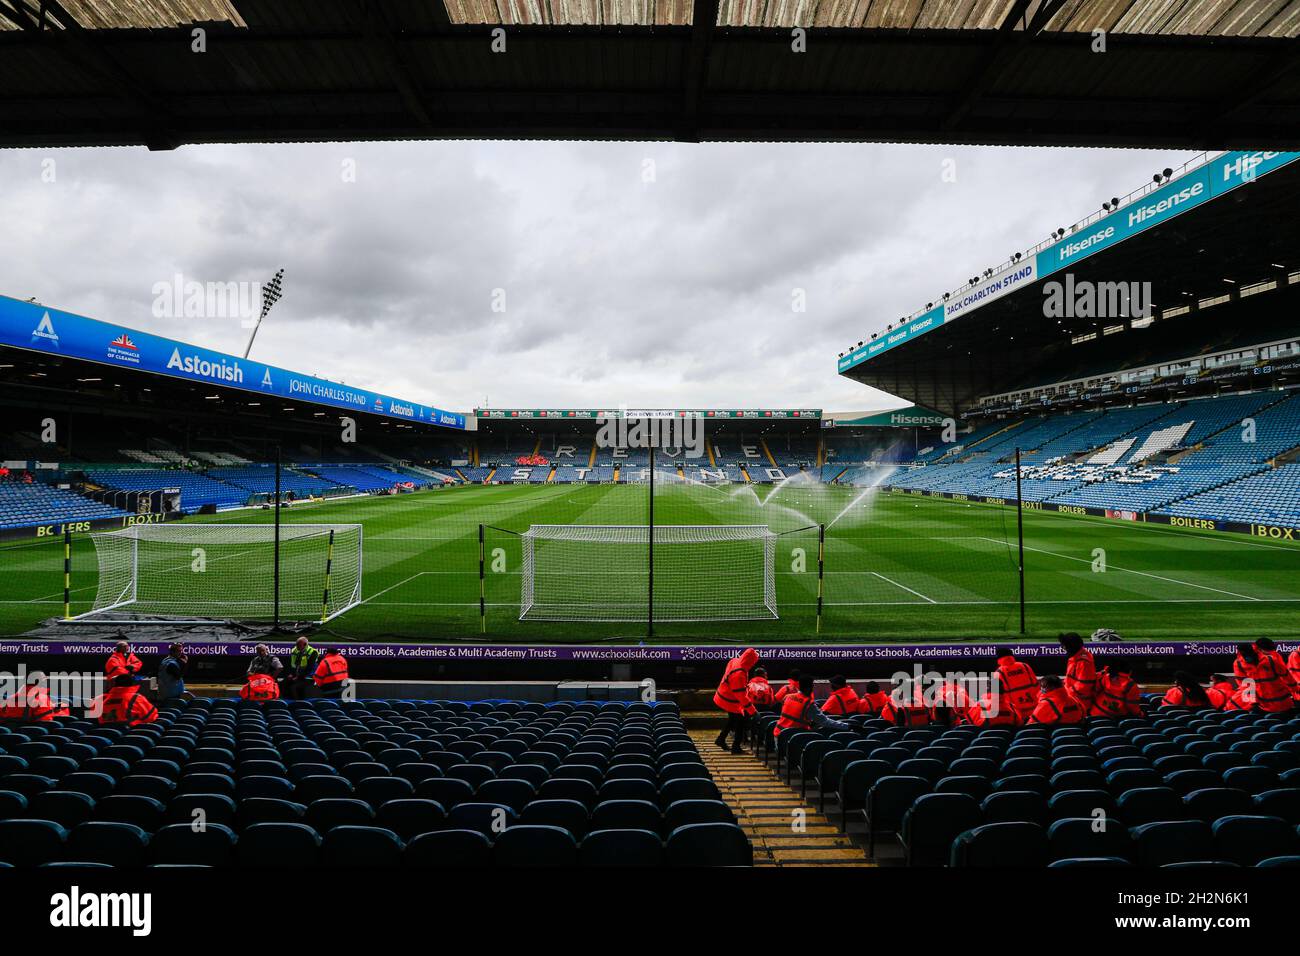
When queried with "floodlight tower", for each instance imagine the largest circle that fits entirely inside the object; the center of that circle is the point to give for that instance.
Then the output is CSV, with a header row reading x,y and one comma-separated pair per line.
x,y
270,296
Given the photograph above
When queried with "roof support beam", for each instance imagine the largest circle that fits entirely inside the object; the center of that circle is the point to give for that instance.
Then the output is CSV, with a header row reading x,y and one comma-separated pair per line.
x,y
1006,47
695,68
380,37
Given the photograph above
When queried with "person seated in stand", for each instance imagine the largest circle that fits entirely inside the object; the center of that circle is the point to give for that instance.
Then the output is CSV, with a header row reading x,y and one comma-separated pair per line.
x,y
791,686
31,701
951,703
1118,694
872,700
906,705
800,712
260,687
124,703
760,691
1056,705
264,662
1080,670
843,699
1274,686
992,710
1188,692
1016,684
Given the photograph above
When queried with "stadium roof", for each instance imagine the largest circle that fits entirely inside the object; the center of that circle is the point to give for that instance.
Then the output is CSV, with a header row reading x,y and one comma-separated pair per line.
x,y
32,327
1196,239
1174,74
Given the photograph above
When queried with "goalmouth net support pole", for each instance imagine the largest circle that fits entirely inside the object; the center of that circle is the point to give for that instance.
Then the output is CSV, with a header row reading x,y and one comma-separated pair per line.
x,y
650,538
1020,541
329,563
821,571
67,574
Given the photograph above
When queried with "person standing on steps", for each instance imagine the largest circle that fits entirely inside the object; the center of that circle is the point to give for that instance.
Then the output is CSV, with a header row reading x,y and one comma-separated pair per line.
x,y
733,697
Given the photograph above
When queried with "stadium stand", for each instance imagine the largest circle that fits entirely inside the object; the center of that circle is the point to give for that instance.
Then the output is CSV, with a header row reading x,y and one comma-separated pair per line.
x,y
196,490
1147,458
365,477
25,505
375,782
260,479
1178,786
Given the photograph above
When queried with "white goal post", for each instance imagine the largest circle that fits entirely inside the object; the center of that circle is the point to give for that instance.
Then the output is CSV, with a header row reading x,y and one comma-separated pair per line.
x,y
603,573
181,571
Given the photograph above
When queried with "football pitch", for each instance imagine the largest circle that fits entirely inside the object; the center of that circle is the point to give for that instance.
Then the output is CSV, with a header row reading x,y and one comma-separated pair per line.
x,y
897,567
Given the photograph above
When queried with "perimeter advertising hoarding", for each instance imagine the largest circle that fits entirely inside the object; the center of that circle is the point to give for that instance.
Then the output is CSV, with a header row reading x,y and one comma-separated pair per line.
x,y
27,325
895,655
1219,176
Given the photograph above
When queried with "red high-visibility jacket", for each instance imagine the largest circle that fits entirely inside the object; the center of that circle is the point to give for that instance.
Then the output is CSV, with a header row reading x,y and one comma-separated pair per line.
x,y
988,713
1057,706
732,694
1081,677
953,698
1293,668
789,687
1273,693
1118,695
31,702
794,710
842,701
260,687
873,704
125,705
1175,697
760,692
120,665
331,671
915,714
1016,682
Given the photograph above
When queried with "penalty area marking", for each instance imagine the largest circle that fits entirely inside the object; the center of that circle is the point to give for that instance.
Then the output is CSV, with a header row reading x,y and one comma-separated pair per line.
x,y
1145,574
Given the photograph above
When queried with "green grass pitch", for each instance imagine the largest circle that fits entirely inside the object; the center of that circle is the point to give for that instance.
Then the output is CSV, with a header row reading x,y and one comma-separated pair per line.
x,y
897,568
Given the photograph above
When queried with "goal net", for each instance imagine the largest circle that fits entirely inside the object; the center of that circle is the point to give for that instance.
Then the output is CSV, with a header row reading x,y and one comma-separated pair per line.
x,y
603,573
170,572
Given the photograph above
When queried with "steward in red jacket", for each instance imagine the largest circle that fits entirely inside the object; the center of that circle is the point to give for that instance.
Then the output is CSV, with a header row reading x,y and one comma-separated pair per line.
x,y
122,663
1056,705
992,711
906,706
1080,670
1016,683
843,699
124,703
260,687
760,691
873,700
32,701
1188,692
1274,686
791,686
732,696
1118,694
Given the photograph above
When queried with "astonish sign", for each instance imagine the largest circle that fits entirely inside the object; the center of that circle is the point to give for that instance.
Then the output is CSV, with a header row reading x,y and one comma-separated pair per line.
x,y
36,328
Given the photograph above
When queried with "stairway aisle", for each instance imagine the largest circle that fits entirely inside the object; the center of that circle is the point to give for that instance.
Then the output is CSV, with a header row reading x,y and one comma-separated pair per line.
x,y
765,809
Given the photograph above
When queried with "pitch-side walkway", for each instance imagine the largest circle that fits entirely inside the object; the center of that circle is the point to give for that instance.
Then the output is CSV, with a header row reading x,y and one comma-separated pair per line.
x,y
769,812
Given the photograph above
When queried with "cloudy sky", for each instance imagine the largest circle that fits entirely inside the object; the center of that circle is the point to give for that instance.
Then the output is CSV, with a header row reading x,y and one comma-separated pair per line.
x,y
545,274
